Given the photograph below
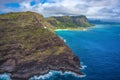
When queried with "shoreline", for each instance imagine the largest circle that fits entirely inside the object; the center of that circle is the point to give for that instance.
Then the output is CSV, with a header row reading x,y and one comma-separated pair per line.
x,y
73,29
48,73
36,49
52,72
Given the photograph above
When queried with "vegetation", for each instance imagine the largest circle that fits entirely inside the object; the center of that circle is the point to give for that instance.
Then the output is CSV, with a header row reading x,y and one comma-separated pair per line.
x,y
29,46
64,22
24,34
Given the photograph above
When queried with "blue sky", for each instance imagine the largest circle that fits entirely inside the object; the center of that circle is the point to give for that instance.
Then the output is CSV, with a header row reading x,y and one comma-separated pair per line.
x,y
103,9
12,5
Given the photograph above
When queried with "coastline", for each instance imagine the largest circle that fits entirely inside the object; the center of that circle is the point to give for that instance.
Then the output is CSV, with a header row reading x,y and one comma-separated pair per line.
x,y
73,29
110,37
54,72
36,49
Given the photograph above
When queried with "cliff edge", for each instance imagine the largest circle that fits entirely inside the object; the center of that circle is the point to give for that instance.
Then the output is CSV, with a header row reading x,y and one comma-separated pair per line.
x,y
28,47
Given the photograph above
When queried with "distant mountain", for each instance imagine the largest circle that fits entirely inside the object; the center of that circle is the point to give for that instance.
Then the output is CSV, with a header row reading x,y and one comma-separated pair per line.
x,y
104,21
69,21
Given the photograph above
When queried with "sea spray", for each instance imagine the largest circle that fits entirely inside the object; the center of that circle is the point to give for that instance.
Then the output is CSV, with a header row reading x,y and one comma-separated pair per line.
x,y
5,76
52,74
62,38
83,66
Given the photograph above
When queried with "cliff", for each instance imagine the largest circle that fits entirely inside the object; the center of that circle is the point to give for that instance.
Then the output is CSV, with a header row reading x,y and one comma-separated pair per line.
x,y
29,47
69,21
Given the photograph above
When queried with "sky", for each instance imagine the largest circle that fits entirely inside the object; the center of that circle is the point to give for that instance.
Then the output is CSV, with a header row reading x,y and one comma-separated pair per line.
x,y
99,9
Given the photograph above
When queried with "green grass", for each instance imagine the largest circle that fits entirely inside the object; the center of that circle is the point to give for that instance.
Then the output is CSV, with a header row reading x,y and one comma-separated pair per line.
x,y
68,22
23,36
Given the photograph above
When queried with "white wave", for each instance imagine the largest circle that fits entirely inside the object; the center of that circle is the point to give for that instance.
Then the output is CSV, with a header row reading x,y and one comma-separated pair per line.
x,y
74,74
83,67
62,38
53,73
5,76
45,76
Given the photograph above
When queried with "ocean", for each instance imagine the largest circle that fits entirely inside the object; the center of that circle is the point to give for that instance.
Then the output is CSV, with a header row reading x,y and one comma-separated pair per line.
x,y
98,49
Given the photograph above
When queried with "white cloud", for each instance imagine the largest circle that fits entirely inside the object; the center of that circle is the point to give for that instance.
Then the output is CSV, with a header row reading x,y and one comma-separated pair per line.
x,y
26,6
90,8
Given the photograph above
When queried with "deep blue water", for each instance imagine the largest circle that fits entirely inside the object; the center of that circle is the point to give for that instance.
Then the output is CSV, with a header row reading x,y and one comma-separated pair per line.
x,y
98,48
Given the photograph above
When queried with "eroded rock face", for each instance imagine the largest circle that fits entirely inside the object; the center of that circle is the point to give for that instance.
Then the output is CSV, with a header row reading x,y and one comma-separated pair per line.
x,y
64,62
27,48
9,65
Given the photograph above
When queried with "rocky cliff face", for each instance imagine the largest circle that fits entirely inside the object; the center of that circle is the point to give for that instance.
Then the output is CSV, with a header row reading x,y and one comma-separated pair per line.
x,y
28,47
69,21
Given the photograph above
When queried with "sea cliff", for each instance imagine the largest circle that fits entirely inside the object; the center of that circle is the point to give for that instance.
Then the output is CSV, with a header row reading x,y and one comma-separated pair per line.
x,y
28,47
69,22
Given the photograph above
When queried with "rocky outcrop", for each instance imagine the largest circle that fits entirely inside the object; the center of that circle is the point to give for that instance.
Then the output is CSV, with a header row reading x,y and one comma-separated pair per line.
x,y
29,47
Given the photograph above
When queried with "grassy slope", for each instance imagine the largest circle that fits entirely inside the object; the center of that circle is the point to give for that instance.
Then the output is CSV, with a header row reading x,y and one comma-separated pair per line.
x,y
28,48
24,34
69,22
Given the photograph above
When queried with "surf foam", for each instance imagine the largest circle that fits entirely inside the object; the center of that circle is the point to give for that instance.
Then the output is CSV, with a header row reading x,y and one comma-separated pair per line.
x,y
5,76
53,73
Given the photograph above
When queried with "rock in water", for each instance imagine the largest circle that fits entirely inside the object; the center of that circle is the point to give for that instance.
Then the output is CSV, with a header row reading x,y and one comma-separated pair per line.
x,y
27,48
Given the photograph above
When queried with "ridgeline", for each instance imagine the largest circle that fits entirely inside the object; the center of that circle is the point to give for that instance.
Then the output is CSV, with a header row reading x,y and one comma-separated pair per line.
x,y
67,22
29,46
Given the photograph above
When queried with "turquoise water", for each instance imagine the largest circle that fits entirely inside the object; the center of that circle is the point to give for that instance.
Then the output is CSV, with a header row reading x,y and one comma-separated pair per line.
x,y
98,49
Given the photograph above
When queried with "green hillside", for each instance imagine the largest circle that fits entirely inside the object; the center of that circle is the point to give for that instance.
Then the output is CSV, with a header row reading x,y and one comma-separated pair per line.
x,y
69,21
28,46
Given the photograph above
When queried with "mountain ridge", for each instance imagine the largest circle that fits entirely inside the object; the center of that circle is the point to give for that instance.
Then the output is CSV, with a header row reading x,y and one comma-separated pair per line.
x,y
29,46
69,21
